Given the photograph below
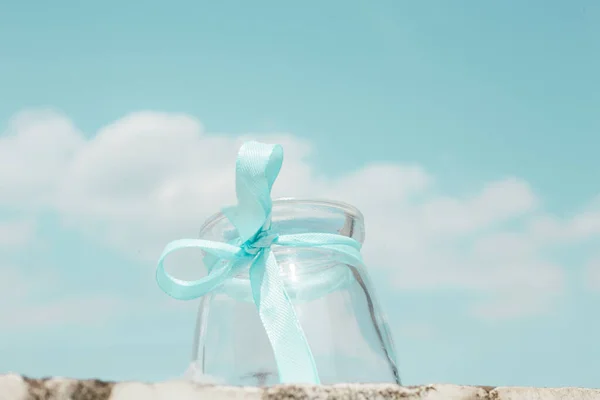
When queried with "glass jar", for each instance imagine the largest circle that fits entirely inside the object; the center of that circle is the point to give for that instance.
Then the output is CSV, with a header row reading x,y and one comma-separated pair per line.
x,y
334,302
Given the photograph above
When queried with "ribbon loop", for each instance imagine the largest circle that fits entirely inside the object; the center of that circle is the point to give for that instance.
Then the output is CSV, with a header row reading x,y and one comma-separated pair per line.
x,y
257,168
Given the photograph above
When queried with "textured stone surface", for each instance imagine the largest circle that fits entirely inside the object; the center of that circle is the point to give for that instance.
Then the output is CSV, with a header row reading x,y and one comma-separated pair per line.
x,y
15,387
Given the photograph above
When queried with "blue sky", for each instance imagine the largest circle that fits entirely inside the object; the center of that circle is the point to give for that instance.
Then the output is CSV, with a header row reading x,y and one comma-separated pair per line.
x,y
474,122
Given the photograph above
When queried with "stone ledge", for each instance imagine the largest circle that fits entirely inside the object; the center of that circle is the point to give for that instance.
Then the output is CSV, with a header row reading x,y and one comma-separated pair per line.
x,y
16,387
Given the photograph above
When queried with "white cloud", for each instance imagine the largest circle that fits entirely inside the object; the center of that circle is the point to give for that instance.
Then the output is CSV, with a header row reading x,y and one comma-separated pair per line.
x,y
90,310
22,287
592,273
14,284
151,177
34,154
14,234
583,225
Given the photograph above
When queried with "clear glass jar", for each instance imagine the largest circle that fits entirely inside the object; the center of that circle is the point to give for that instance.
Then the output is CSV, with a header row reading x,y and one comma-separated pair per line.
x,y
334,302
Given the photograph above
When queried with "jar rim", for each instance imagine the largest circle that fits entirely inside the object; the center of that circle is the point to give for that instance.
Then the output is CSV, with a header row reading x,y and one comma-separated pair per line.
x,y
348,209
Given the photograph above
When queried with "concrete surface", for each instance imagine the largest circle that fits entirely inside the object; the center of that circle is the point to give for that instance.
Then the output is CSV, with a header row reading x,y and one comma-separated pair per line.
x,y
15,387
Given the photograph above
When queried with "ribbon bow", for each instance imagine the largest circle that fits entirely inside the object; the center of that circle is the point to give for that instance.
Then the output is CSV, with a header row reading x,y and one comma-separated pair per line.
x,y
257,168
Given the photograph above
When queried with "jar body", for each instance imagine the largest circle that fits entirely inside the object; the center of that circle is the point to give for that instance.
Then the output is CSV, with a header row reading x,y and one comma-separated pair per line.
x,y
334,303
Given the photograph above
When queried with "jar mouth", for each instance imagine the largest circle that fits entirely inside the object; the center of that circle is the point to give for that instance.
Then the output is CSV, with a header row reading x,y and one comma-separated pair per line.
x,y
351,213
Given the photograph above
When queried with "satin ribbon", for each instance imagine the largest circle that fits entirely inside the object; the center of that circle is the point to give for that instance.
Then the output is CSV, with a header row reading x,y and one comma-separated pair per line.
x,y
257,167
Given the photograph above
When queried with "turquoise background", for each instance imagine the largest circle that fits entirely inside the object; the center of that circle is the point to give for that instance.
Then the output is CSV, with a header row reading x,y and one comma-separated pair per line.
x,y
472,91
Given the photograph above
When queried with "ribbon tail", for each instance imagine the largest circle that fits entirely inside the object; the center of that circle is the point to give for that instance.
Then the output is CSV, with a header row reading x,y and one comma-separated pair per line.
x,y
295,361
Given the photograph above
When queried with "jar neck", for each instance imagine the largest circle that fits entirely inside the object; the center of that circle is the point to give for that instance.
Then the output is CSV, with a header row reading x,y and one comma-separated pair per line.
x,y
307,272
291,216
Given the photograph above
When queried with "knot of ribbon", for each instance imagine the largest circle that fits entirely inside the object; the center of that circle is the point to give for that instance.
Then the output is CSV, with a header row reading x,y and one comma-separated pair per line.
x,y
263,240
257,168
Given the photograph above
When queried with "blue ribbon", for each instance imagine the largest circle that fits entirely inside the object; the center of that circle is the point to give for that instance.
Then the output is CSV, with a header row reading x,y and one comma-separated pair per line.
x,y
257,168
